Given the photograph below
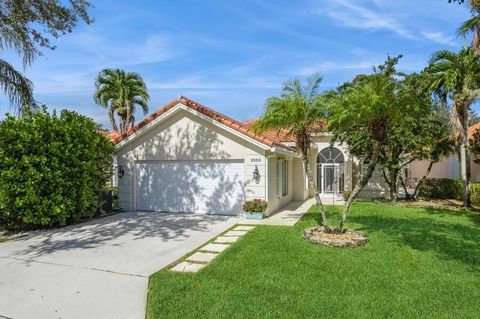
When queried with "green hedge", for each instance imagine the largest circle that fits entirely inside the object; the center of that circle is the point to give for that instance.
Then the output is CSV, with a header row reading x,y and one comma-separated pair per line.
x,y
447,188
52,169
475,194
441,188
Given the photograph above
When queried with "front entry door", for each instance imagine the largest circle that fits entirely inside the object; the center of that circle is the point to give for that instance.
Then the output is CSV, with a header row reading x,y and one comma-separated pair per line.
x,y
329,184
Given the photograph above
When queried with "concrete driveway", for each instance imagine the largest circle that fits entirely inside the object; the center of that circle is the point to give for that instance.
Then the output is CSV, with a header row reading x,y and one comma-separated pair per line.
x,y
98,269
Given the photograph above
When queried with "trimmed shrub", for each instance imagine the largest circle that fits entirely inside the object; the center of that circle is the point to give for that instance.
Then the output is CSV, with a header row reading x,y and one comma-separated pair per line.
x,y
53,169
441,188
475,194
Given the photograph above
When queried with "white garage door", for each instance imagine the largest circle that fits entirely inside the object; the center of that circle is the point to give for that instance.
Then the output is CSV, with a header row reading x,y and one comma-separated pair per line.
x,y
190,187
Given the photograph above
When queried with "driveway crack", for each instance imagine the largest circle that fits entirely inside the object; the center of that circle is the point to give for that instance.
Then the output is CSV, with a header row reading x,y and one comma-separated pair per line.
x,y
73,266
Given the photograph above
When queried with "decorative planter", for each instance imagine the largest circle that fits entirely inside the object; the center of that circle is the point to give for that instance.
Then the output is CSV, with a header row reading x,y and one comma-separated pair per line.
x,y
249,215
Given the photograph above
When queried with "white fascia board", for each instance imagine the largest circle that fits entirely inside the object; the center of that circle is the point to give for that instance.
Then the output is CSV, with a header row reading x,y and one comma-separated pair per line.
x,y
282,151
175,110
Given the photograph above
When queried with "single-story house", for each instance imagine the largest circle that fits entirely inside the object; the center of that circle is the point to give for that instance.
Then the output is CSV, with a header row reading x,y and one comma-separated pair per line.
x,y
186,157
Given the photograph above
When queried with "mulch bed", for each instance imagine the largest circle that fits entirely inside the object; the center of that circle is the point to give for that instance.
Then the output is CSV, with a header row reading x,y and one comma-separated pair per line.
x,y
349,238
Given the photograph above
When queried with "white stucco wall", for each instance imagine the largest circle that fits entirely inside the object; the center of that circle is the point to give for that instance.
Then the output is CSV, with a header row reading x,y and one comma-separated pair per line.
x,y
275,200
186,137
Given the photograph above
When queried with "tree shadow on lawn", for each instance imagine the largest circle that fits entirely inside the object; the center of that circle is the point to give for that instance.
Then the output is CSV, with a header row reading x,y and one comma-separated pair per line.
x,y
449,239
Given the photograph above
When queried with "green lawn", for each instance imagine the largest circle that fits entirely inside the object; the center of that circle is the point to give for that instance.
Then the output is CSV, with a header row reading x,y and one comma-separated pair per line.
x,y
419,263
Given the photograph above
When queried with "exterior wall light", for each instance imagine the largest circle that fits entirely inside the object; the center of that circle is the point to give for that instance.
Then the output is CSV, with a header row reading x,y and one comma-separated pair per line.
x,y
120,171
256,175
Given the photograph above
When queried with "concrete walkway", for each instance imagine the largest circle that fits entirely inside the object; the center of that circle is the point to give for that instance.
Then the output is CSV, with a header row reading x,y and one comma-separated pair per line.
x,y
209,252
98,269
289,215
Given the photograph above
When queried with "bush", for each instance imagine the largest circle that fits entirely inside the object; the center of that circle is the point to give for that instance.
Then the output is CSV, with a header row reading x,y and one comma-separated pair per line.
x,y
255,206
52,169
475,194
441,188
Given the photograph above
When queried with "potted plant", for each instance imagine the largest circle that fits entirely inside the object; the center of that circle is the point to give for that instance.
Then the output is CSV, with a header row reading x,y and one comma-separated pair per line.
x,y
254,209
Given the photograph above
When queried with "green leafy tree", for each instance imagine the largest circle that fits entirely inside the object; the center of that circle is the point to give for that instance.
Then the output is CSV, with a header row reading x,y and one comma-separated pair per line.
x,y
25,28
421,134
455,77
52,169
298,110
367,109
120,92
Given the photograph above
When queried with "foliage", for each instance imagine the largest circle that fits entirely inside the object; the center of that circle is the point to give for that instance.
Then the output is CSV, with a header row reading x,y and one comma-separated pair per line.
x,y
423,133
425,259
120,92
52,169
475,146
255,206
441,188
456,77
298,110
25,28
365,111
476,194
473,117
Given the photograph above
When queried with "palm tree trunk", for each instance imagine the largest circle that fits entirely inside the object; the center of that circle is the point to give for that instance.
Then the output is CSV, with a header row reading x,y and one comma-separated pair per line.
x,y
311,187
465,170
111,114
361,183
422,180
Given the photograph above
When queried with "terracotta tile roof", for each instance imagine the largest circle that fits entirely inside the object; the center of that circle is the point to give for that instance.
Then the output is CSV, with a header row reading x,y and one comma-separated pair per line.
x,y
270,140
472,129
282,135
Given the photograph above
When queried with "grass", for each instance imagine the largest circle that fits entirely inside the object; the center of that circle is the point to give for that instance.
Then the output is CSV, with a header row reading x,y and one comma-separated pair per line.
x,y
419,263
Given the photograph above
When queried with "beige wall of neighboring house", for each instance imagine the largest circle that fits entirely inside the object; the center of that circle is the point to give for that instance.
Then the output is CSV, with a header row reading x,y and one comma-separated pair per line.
x,y
448,167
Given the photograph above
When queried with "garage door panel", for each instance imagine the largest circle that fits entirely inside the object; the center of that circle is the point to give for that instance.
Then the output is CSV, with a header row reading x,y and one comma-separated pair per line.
x,y
191,187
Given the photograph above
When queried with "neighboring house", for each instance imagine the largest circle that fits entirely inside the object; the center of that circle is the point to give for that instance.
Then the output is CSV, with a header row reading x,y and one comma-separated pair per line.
x,y
186,157
448,167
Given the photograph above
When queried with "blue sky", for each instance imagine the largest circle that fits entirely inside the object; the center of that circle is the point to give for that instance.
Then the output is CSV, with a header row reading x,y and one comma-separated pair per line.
x,y
232,55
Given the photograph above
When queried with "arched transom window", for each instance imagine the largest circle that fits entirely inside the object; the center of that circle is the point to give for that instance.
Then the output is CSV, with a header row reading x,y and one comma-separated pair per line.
x,y
330,155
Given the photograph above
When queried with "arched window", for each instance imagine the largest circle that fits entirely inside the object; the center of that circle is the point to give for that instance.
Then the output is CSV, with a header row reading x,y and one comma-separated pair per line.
x,y
330,155
330,170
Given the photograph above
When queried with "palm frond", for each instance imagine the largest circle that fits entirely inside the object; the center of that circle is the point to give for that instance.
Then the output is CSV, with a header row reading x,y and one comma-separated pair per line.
x,y
17,88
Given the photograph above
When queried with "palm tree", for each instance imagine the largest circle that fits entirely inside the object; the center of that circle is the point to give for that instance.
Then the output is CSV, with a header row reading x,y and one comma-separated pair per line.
x,y
456,76
472,25
120,92
297,110
17,88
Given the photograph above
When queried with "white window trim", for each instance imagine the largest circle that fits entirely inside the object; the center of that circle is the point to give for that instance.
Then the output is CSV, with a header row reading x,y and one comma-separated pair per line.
x,y
282,178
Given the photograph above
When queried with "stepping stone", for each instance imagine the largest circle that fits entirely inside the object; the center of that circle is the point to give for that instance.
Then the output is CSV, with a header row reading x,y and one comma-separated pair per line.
x,y
246,228
236,233
223,239
203,258
218,248
185,266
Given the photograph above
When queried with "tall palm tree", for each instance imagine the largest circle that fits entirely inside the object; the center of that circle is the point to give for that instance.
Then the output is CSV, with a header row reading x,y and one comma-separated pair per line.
x,y
472,25
297,110
120,92
456,76
17,88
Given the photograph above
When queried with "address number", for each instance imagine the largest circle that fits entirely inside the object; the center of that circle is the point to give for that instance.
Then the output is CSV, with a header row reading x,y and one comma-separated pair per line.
x,y
255,160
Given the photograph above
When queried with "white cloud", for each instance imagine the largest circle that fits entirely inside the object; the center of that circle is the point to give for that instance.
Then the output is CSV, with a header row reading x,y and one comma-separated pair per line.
x,y
439,37
355,16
